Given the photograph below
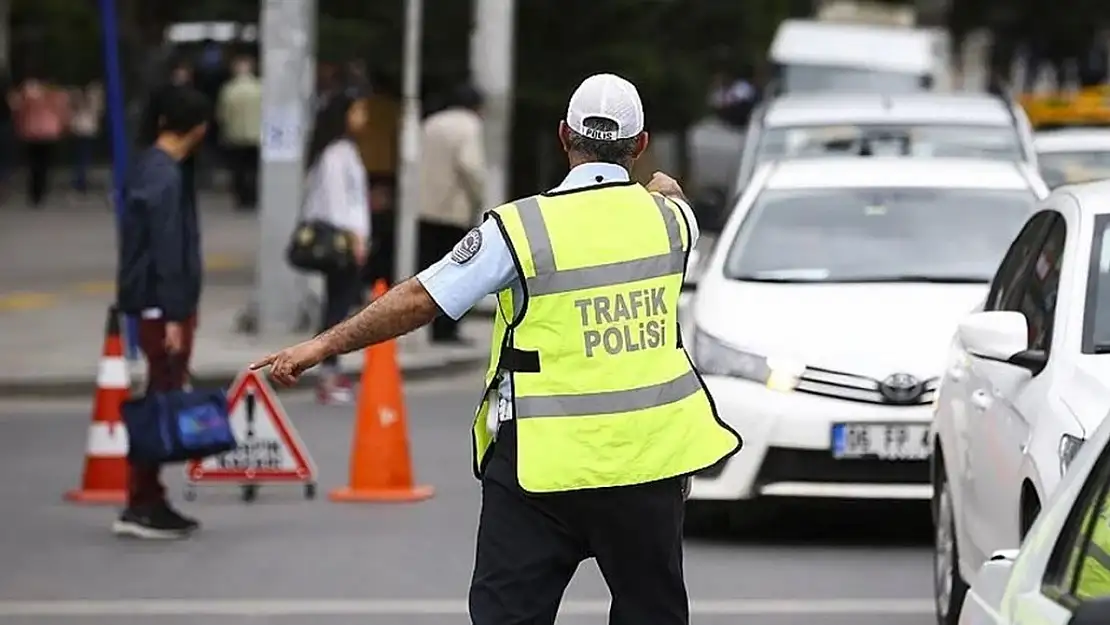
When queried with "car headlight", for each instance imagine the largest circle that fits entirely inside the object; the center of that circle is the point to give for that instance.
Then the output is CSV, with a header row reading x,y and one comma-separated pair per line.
x,y
715,358
1069,449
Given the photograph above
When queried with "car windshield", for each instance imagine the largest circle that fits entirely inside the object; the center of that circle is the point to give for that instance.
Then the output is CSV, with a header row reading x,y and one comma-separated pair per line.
x,y
1074,167
797,78
975,141
877,235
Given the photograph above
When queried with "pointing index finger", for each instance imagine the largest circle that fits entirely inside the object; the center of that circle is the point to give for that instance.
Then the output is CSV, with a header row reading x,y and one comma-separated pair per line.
x,y
268,360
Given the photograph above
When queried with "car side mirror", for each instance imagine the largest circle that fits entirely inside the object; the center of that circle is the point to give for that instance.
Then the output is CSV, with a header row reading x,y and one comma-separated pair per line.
x,y
1091,612
709,208
1001,336
994,335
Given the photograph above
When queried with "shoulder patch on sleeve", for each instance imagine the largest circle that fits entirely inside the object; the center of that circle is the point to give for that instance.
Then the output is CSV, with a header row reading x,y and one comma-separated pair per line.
x,y
467,248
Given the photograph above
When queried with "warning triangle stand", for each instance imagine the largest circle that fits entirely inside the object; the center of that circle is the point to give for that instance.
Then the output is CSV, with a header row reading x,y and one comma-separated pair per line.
x,y
270,451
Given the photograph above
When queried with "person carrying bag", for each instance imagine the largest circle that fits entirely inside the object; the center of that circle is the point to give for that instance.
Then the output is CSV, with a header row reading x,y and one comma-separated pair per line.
x,y
333,232
165,427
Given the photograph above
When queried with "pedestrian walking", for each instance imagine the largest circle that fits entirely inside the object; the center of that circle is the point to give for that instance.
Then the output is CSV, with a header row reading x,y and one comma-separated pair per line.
x,y
86,112
41,113
162,97
593,417
452,169
239,110
159,281
337,194
7,131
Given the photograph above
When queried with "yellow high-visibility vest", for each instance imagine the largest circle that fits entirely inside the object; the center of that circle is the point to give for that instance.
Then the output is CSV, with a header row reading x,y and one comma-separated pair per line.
x,y
604,394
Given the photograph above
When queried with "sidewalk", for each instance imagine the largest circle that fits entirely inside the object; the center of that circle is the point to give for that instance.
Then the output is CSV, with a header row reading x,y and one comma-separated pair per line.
x,y
55,351
67,249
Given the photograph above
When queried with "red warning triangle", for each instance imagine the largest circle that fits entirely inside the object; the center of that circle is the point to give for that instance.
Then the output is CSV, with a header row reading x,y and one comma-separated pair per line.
x,y
270,450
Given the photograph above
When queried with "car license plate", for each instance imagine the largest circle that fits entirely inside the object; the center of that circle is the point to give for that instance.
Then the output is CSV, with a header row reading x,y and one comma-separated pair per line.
x,y
886,441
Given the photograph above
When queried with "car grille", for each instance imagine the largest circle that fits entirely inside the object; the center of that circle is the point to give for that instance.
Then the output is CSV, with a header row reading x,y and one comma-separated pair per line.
x,y
806,465
853,387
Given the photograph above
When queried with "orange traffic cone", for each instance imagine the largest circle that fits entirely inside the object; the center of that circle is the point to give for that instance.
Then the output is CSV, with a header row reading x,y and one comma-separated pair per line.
x,y
381,469
105,478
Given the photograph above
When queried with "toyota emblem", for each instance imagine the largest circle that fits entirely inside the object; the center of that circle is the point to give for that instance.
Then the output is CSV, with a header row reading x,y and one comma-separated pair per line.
x,y
901,388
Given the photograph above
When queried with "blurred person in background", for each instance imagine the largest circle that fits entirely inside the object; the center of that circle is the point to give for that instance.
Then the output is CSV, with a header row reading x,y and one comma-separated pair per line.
x,y
377,144
86,112
336,193
7,131
159,280
239,112
732,97
210,74
328,83
452,176
356,79
180,79
40,111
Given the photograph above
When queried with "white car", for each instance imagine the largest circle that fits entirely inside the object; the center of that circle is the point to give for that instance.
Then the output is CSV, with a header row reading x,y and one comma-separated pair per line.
x,y
820,319
1060,575
1027,379
1073,155
975,125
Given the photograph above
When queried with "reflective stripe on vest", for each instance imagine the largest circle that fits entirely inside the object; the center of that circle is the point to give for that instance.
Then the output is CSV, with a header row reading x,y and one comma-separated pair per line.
x,y
548,280
609,397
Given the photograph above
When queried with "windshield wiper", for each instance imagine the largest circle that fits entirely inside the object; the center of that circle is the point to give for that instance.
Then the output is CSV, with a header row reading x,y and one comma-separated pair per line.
x,y
922,278
1102,348
773,280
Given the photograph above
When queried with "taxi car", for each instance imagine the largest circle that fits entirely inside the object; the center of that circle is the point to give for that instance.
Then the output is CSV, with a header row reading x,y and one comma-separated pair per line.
x,y
819,321
1027,382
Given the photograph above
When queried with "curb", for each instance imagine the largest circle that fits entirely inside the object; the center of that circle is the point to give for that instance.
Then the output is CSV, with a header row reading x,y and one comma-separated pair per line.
x,y
86,387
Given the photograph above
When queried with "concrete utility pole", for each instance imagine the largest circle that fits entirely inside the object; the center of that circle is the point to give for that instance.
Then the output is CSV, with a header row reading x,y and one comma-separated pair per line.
x,y
410,143
288,64
492,57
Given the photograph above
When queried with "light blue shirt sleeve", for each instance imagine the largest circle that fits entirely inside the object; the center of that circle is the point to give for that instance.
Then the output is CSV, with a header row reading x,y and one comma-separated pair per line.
x,y
457,287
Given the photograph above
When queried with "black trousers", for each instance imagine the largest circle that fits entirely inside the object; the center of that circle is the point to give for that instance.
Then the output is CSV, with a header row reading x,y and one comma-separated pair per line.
x,y
40,159
341,294
435,241
529,547
243,163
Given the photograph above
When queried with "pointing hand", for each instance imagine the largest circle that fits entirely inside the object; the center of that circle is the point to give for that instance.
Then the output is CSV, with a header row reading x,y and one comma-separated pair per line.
x,y
287,365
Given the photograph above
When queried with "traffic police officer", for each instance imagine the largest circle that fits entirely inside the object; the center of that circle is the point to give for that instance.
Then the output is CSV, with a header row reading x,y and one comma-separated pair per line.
x,y
593,417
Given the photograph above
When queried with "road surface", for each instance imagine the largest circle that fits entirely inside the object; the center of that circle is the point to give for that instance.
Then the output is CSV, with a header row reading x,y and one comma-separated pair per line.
x,y
284,561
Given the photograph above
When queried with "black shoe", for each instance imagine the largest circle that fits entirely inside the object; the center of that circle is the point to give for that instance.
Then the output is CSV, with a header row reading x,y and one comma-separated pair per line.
x,y
150,523
188,523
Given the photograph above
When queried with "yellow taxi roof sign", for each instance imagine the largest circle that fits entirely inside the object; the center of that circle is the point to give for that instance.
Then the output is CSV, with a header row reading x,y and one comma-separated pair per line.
x,y
1087,107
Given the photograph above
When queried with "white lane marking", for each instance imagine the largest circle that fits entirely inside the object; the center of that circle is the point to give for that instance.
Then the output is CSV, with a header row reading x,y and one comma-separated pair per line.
x,y
437,607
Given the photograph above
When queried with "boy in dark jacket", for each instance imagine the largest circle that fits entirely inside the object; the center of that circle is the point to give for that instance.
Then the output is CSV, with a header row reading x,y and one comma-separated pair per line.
x,y
159,280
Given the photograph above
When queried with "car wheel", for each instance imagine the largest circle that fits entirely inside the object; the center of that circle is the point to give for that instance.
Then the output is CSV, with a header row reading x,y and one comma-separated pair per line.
x,y
949,587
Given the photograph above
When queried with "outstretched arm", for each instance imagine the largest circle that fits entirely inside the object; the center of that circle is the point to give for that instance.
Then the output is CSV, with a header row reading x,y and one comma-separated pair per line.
x,y
401,310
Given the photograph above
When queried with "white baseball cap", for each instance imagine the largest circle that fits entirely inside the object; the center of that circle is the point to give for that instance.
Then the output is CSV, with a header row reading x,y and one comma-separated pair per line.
x,y
606,96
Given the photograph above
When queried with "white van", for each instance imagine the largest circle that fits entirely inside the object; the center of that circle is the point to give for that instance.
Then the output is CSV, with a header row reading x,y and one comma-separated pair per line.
x,y
810,55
